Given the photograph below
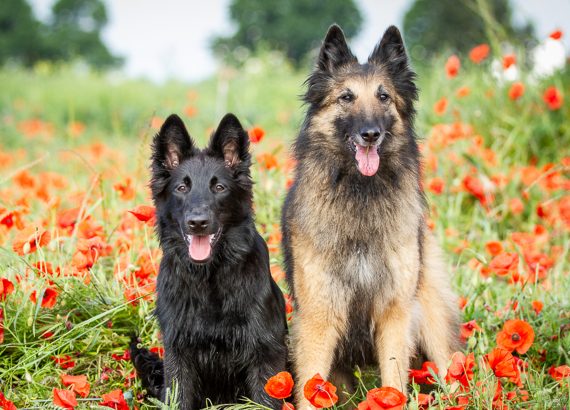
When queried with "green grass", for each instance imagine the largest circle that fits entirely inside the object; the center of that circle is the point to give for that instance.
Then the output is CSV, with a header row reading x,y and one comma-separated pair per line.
x,y
92,319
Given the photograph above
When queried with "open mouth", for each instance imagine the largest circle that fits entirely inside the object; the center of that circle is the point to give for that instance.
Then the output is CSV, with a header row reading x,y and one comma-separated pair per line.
x,y
200,246
367,158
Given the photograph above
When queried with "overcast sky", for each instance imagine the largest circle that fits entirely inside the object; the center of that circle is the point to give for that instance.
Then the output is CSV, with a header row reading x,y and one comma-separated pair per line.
x,y
170,38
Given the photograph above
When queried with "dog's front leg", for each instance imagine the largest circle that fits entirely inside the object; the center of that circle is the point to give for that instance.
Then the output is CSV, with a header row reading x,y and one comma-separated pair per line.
x,y
394,341
256,380
177,369
316,336
319,322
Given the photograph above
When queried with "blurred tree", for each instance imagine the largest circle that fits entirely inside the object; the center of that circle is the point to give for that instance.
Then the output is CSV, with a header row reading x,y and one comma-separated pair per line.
x,y
75,31
433,26
292,26
20,33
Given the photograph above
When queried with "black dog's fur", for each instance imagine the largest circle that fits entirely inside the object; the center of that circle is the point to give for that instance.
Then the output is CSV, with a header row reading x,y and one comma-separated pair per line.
x,y
222,319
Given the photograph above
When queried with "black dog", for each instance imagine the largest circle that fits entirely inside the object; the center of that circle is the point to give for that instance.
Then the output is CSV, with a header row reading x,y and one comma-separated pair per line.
x,y
221,315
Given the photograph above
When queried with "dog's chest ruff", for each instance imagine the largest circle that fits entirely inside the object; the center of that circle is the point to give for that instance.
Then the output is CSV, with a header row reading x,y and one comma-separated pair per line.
x,y
360,270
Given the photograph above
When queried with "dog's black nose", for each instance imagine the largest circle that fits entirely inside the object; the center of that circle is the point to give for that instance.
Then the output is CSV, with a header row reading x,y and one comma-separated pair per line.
x,y
199,224
370,134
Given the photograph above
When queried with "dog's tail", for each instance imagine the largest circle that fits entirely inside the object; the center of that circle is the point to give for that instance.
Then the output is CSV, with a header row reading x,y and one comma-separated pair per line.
x,y
150,368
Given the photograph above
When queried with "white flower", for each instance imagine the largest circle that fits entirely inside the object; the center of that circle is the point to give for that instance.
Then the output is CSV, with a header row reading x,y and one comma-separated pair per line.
x,y
548,57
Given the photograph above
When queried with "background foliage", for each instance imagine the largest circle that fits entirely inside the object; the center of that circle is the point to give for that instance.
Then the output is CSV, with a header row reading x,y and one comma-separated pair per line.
x,y
294,27
74,31
432,27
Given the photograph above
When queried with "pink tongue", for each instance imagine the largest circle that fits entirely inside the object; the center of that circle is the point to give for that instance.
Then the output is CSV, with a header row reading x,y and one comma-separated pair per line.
x,y
200,247
368,160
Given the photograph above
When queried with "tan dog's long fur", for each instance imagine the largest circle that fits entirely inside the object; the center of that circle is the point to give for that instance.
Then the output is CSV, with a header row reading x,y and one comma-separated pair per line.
x,y
367,276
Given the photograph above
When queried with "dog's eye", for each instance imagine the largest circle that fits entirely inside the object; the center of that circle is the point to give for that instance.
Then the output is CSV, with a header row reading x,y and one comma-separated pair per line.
x,y
347,97
182,188
384,97
219,188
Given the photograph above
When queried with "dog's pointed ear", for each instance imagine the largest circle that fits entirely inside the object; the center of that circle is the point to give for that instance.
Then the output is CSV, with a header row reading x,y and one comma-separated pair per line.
x,y
172,144
334,51
390,48
231,142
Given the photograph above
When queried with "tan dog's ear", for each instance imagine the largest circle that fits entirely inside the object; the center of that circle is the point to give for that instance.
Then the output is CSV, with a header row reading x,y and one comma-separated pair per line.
x,y
334,51
389,48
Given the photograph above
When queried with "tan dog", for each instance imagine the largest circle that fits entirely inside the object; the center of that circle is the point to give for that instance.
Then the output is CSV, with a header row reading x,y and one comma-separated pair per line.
x,y
367,277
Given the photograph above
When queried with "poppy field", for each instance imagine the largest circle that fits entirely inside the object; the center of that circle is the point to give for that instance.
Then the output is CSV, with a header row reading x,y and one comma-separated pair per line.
x,y
79,257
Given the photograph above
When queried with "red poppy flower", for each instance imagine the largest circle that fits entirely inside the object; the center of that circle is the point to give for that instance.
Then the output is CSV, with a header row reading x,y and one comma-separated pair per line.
x,y
503,364
516,206
124,357
537,306
560,372
556,35
79,384
190,111
320,393
494,247
436,185
6,287
475,187
46,268
75,128
256,134
159,350
452,66
267,161
479,53
553,98
385,398
287,406
144,213
463,92
12,218
468,328
504,263
115,400
516,335
424,400
564,209
125,189
516,91
64,361
363,405
88,252
30,239
509,60
440,106
49,298
64,398
1,326
423,375
5,403
461,368
156,123
280,385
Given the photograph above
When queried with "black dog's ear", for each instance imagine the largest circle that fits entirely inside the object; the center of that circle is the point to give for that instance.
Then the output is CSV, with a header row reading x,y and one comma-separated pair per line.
x,y
390,48
172,144
231,142
334,51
